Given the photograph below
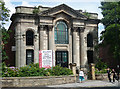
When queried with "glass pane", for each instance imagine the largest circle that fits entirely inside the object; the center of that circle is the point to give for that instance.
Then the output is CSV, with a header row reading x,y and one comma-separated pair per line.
x,y
29,56
29,37
89,40
62,33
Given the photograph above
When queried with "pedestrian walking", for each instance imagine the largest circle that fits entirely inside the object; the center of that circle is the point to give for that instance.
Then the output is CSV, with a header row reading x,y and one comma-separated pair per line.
x,y
81,76
109,74
114,75
118,70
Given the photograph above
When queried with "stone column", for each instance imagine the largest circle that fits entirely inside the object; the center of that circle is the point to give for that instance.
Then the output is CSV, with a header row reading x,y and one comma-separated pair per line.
x,y
36,48
50,38
51,41
83,48
23,52
43,37
20,47
76,47
70,46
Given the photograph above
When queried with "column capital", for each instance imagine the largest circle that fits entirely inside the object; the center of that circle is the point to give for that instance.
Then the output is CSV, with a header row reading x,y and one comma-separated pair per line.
x,y
74,29
50,27
81,29
43,27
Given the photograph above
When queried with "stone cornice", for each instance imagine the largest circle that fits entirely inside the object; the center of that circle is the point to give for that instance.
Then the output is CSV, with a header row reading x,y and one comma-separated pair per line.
x,y
87,20
18,15
42,23
95,21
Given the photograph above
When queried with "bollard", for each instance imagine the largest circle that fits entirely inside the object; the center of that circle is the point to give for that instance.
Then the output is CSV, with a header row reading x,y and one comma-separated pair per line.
x,y
92,71
73,68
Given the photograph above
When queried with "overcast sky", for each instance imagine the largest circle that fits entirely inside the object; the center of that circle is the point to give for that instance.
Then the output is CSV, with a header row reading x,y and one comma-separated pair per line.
x,y
88,5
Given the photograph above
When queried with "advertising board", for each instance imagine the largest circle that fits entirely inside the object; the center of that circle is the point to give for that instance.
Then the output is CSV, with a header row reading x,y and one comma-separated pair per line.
x,y
45,58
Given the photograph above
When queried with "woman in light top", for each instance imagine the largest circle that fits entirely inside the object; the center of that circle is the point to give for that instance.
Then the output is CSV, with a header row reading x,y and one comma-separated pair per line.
x,y
81,76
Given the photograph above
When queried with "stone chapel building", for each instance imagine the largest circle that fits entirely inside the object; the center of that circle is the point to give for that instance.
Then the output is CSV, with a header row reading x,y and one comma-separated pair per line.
x,y
69,33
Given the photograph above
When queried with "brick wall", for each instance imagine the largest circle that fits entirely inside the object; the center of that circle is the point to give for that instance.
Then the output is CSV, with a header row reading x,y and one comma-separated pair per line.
x,y
8,48
106,56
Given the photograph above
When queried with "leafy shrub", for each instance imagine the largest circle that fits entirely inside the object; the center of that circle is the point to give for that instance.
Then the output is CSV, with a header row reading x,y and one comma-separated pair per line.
x,y
66,71
100,71
57,70
11,71
101,65
34,70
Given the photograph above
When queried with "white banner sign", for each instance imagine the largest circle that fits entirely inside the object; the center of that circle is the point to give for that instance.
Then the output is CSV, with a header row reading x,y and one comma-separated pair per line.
x,y
46,59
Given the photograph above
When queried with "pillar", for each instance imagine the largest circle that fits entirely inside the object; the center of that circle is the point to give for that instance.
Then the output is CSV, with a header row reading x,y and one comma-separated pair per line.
x,y
50,38
51,41
76,47
83,48
20,47
43,37
36,48
23,52
70,46
73,68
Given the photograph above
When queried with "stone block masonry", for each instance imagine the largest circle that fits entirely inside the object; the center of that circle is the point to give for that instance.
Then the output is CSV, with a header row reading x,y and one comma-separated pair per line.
x,y
36,81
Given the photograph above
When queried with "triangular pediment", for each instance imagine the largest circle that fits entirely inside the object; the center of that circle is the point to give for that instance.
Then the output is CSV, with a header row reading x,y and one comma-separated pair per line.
x,y
63,8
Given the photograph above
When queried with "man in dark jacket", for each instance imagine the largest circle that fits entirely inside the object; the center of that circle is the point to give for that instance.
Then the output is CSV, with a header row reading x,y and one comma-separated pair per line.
x,y
118,70
109,74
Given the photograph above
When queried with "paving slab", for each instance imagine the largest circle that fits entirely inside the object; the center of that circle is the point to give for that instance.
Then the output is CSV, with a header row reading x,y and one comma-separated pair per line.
x,y
89,83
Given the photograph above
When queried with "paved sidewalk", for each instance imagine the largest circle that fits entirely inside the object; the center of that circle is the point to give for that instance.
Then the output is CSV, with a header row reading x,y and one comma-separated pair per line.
x,y
89,83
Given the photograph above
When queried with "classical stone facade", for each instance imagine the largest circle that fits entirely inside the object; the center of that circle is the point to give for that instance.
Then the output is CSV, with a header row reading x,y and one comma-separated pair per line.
x,y
69,33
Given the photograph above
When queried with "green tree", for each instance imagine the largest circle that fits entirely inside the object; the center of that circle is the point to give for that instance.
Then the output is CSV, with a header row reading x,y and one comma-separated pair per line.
x,y
111,21
4,14
110,12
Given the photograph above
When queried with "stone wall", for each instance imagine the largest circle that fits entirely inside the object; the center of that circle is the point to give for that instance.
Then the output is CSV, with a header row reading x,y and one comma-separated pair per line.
x,y
101,76
36,81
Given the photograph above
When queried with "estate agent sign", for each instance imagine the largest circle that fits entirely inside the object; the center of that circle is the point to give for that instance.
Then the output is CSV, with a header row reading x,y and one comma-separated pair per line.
x,y
45,58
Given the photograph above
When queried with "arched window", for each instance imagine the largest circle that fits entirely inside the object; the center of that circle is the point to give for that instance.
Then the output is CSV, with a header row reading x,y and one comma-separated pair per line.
x,y
89,40
29,37
61,33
